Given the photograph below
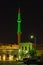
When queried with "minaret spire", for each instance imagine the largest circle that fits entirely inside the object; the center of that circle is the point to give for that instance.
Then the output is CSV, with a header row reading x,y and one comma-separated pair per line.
x,y
19,26
19,10
19,21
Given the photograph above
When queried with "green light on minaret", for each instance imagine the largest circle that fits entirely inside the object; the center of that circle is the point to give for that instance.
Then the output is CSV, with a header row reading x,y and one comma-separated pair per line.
x,y
19,21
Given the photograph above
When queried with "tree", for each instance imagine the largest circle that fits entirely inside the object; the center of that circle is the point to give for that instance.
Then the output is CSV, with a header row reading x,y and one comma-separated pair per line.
x,y
32,52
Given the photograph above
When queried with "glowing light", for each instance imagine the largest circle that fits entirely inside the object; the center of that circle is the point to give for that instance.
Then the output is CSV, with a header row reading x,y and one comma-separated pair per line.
x,y
19,21
19,50
0,57
32,36
10,57
19,15
16,58
4,57
19,57
26,51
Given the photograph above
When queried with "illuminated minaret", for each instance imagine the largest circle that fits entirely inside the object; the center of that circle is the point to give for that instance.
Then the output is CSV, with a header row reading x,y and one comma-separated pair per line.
x,y
19,26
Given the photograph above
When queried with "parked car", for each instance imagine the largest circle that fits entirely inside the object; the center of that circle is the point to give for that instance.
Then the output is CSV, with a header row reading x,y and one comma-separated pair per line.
x,y
32,61
25,60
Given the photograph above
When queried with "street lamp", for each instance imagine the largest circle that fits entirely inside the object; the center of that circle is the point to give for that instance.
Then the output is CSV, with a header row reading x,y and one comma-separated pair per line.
x,y
33,37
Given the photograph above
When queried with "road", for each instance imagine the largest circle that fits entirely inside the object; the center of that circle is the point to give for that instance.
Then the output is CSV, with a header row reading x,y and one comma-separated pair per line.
x,y
12,63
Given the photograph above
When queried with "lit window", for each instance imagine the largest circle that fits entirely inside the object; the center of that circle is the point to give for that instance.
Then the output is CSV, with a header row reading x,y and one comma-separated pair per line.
x,y
0,57
10,57
4,57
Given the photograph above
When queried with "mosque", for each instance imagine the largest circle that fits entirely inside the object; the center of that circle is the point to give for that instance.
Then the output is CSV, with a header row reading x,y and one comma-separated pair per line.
x,y
16,51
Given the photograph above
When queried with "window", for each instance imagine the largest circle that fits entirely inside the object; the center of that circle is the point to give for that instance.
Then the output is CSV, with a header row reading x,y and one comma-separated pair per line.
x,y
25,48
22,47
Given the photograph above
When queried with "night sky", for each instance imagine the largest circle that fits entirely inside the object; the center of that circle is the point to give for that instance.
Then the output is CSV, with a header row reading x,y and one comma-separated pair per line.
x,y
32,20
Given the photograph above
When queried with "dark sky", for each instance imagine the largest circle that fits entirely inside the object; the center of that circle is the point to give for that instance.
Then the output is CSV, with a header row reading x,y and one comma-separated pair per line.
x,y
32,20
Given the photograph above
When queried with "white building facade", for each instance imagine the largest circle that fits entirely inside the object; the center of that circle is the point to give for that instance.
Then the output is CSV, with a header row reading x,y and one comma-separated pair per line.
x,y
24,49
